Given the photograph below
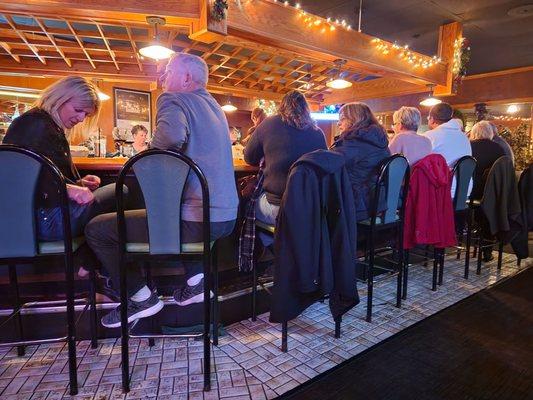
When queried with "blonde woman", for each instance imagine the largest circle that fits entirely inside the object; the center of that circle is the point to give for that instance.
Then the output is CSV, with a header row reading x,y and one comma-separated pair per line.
x,y
485,151
281,140
406,141
63,105
363,143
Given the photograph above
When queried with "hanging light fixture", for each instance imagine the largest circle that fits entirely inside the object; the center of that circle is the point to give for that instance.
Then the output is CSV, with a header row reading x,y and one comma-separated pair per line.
x,y
339,82
512,109
229,107
430,101
155,50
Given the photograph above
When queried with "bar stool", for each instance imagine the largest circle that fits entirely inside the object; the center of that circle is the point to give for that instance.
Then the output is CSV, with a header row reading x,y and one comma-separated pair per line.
x,y
392,184
19,173
162,175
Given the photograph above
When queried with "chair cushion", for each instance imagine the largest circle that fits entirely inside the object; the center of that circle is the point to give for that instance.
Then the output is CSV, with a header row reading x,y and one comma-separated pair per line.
x,y
59,246
185,247
265,227
379,221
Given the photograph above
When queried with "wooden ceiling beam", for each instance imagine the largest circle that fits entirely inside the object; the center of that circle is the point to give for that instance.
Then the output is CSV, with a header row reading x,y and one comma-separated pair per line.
x,y
134,48
23,38
7,49
52,40
80,43
106,42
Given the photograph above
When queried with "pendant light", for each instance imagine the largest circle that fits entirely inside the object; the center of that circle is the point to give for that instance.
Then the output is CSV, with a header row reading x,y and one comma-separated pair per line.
x,y
229,107
430,101
513,108
339,82
155,50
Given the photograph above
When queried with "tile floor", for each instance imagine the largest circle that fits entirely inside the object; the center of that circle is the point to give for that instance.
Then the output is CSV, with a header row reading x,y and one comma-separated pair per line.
x,y
247,363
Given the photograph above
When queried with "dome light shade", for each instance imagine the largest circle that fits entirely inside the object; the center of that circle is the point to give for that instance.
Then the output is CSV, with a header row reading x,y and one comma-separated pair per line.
x,y
339,84
102,96
156,51
228,107
430,101
513,108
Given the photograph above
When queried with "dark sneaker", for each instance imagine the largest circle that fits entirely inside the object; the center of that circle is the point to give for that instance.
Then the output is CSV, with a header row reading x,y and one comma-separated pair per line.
x,y
190,294
136,309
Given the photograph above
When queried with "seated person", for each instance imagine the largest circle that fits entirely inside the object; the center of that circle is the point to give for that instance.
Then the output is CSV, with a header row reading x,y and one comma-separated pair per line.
x,y
189,120
139,134
281,140
486,152
61,106
363,143
257,116
406,141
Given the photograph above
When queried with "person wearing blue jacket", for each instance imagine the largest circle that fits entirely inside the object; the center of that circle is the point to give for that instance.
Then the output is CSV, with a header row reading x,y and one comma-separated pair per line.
x,y
363,143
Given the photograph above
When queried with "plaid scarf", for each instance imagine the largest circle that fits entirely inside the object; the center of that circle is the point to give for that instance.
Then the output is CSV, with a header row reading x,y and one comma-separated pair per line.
x,y
247,236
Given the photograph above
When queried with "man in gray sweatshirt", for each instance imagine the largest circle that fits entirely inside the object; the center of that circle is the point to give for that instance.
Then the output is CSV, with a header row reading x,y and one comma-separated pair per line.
x,y
188,120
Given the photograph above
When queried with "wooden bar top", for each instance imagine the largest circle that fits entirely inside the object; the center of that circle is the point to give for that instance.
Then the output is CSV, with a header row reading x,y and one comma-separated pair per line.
x,y
116,163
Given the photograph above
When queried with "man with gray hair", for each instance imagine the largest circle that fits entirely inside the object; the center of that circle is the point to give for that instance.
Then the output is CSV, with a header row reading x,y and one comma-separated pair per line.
x,y
406,141
190,121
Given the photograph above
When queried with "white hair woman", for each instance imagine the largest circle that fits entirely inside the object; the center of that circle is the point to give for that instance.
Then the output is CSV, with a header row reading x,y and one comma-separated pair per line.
x,y
406,141
61,106
485,151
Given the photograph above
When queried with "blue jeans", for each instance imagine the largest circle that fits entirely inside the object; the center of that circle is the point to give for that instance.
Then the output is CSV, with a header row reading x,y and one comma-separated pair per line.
x,y
267,213
50,223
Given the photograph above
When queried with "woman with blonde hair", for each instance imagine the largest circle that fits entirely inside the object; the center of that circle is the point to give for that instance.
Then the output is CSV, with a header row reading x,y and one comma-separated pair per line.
x,y
257,116
61,106
485,151
363,143
281,140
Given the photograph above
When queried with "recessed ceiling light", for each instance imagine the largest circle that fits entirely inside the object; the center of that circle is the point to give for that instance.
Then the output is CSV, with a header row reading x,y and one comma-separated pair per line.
x,y
521,11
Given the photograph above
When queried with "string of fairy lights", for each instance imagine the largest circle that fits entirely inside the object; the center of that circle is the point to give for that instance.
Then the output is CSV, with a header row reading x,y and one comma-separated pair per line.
x,y
509,118
331,24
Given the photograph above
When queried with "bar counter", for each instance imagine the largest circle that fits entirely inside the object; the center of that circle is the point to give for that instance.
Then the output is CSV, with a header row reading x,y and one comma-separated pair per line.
x,y
115,164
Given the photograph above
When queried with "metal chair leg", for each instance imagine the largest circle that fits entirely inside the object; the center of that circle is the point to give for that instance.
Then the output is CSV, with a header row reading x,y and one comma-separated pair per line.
x,y
254,292
284,335
207,321
399,279
435,264
124,329
468,243
216,316
13,282
150,284
500,255
441,268
338,322
92,314
405,274
71,325
479,254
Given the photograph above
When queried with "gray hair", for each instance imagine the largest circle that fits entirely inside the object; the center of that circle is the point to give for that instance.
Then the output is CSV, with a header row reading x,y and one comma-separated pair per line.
x,y
196,66
482,130
408,117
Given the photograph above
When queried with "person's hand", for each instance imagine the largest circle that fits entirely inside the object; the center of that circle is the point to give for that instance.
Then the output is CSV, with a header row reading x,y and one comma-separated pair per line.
x,y
80,195
90,181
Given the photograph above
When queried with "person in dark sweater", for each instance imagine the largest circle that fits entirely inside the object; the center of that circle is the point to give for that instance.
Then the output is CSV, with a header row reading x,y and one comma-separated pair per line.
x,y
62,105
363,143
486,152
281,140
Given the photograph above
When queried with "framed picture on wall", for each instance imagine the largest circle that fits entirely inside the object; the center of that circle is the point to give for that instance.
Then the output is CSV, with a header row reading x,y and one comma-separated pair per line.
x,y
132,107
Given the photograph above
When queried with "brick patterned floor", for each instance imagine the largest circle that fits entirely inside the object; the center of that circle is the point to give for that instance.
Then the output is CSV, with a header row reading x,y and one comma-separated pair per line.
x,y
247,363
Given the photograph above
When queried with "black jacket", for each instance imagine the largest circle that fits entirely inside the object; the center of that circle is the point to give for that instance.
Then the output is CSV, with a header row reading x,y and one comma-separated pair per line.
x,y
501,202
363,150
525,191
315,239
37,131
486,152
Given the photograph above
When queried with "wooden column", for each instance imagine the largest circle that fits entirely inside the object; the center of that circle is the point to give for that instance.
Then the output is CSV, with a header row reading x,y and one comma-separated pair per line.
x,y
207,29
448,34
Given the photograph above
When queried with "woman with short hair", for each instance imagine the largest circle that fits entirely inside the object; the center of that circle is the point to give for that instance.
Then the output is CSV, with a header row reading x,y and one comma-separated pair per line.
x,y
406,141
281,140
139,134
486,152
363,143
62,105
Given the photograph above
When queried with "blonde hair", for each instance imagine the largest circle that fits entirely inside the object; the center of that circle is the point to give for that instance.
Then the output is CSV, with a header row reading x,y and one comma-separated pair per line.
x,y
482,130
358,115
408,117
295,111
66,89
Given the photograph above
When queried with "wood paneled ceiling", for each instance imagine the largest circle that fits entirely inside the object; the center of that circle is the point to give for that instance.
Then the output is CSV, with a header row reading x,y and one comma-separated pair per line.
x,y
58,46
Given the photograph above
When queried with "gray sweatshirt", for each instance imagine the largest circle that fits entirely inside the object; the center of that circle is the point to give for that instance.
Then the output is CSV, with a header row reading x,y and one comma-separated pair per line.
x,y
194,123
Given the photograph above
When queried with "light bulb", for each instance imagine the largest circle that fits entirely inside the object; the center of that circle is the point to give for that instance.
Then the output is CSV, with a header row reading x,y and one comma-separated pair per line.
x,y
430,101
339,84
156,51
513,108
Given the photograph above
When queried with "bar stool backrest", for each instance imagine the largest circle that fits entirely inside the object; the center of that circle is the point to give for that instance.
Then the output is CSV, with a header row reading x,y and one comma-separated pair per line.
x,y
162,176
463,171
392,180
19,173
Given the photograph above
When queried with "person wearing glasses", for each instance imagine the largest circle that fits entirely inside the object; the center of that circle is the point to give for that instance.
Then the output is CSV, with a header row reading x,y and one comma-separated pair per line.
x,y
406,141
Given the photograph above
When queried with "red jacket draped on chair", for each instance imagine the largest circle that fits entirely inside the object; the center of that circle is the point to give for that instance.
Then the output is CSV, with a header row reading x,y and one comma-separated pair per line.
x,y
429,216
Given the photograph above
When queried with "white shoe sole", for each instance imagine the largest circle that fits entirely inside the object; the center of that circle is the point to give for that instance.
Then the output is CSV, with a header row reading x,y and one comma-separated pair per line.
x,y
141,314
193,300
